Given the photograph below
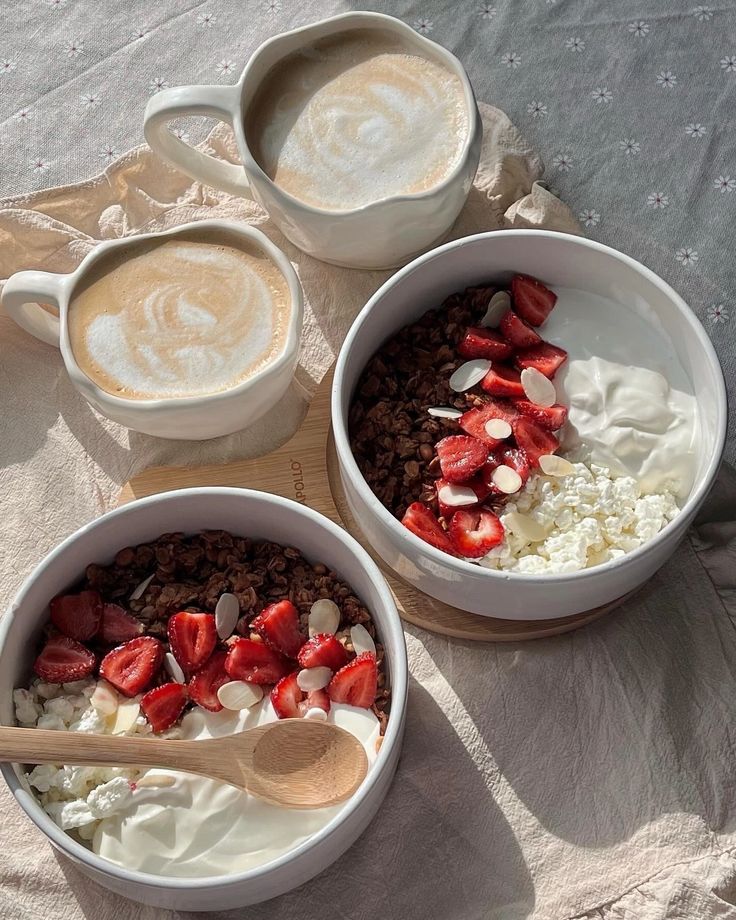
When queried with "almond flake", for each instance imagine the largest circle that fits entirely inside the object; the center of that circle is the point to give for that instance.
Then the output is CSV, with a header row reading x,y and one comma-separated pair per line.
x,y
538,388
125,716
498,428
444,412
138,592
313,678
237,694
498,306
552,465
316,713
104,698
506,479
468,374
324,617
456,496
525,527
154,782
227,614
173,668
362,640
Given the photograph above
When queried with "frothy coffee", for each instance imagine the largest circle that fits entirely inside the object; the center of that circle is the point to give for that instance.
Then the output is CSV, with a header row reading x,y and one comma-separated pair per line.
x,y
355,118
188,316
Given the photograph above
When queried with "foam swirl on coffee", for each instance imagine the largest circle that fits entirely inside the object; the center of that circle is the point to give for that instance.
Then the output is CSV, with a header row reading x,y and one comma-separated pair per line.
x,y
183,317
356,118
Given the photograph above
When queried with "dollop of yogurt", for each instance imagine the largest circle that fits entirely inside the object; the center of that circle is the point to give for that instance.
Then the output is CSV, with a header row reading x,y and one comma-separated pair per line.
x,y
199,827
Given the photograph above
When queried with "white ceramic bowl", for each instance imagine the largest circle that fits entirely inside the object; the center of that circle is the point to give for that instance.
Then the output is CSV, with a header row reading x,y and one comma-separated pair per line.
x,y
240,511
559,260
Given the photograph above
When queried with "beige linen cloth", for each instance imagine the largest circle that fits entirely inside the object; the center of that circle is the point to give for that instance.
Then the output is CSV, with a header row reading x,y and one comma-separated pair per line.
x,y
584,776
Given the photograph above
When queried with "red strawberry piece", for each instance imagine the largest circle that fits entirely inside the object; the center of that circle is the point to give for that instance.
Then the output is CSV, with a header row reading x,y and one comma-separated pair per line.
x,y
447,511
163,705
207,681
473,422
316,699
193,637
77,615
482,483
518,332
549,417
546,358
422,523
475,532
460,456
63,660
484,343
533,439
503,381
287,696
516,459
131,667
323,651
532,300
255,662
356,683
278,625
117,625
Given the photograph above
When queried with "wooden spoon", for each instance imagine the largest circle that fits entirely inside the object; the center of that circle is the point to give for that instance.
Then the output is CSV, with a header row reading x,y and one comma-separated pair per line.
x,y
296,763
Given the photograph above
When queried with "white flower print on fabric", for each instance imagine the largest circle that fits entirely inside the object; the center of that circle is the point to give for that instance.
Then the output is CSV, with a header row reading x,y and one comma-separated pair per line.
x,y
666,79
90,100
658,200
40,165
563,161
725,184
7,66
207,20
181,133
537,109
703,13
156,85
273,7
487,11
140,33
225,67
24,114
575,44
630,147
717,313
589,217
108,153
695,129
729,63
686,256
423,26
602,94
75,48
639,28
511,59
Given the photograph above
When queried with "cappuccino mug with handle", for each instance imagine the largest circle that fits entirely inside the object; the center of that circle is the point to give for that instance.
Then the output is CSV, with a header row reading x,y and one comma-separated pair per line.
x,y
389,226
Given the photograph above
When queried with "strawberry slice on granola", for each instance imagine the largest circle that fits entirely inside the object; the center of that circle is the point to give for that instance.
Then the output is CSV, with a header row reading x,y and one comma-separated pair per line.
x,y
518,331
549,417
192,637
460,456
163,705
131,667
77,615
474,421
117,625
503,381
255,662
286,697
419,519
278,626
207,681
63,660
323,650
533,439
532,300
545,358
479,342
356,684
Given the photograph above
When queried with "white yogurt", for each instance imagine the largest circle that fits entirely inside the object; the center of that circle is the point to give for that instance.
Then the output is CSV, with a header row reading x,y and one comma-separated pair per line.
x,y
200,827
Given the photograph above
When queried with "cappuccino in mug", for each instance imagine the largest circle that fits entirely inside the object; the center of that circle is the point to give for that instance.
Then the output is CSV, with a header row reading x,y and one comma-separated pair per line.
x,y
191,315
357,117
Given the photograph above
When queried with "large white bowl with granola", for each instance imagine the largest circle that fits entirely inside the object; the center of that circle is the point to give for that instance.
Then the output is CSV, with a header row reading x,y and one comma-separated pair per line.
x,y
192,614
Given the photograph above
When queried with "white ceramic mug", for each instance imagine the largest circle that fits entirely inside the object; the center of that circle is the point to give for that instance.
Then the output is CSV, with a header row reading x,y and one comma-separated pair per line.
x,y
382,234
191,418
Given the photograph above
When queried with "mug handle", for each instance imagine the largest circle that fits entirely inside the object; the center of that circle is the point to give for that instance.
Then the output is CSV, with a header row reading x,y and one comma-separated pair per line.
x,y
216,101
21,296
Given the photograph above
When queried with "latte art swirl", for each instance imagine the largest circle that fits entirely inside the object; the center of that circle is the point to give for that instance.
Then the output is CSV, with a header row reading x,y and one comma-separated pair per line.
x,y
356,118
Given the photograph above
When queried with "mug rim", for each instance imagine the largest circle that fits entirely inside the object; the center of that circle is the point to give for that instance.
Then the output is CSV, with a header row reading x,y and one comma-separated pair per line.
x,y
361,18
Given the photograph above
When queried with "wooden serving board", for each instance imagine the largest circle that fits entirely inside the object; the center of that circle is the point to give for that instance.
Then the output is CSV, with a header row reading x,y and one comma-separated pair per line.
x,y
305,469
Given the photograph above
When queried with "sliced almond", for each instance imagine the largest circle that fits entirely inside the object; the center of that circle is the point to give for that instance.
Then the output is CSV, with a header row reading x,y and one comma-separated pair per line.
x,y
444,412
498,428
468,374
324,617
154,782
538,388
173,669
237,694
313,678
138,592
498,306
506,479
524,527
316,713
227,614
362,640
552,465
125,716
457,496
105,698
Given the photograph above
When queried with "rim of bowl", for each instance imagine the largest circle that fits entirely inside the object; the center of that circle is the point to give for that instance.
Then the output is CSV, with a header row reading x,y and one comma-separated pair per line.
x,y
460,566
394,728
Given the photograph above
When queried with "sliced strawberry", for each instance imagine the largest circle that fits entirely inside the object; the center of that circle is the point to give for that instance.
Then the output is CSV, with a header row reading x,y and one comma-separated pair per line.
x,y
131,667
482,483
517,331
63,660
549,417
207,681
356,683
278,625
460,456
473,422
163,705
447,511
117,625
475,532
193,637
484,343
503,381
546,358
77,615
532,300
323,651
516,459
286,697
255,662
316,699
533,439
422,523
